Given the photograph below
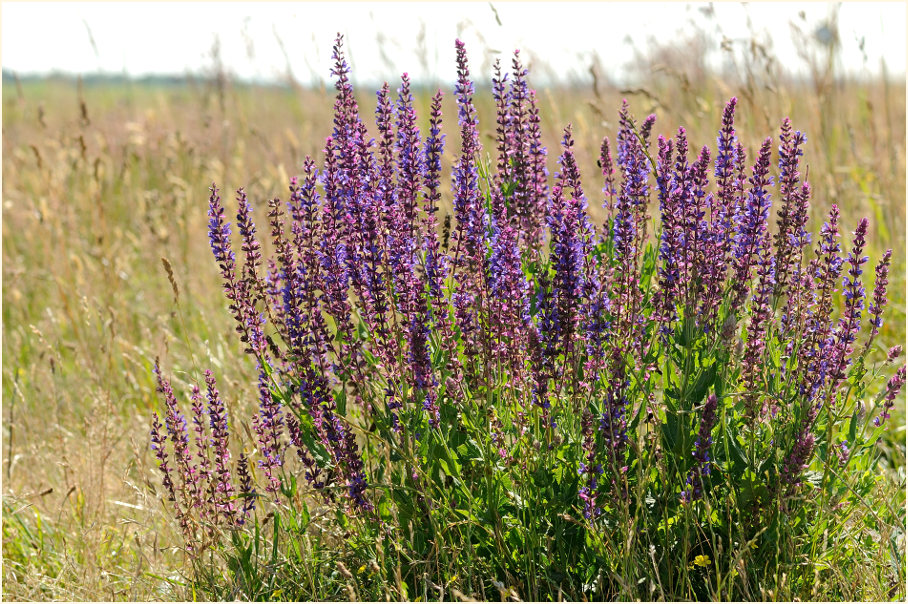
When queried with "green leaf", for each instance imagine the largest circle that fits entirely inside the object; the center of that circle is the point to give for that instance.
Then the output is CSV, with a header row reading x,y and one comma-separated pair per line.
x,y
316,448
706,378
469,451
649,266
852,428
719,382
738,458
508,188
303,517
671,432
684,334
276,537
635,420
340,399
813,477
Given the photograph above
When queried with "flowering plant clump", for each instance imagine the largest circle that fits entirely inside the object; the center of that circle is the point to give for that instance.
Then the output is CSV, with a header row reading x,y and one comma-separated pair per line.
x,y
522,402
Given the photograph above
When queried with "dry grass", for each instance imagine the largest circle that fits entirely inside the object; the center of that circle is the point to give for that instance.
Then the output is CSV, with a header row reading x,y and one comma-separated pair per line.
x,y
100,184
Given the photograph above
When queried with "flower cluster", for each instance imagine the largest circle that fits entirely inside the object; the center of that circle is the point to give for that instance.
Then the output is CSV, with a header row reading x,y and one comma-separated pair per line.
x,y
694,485
376,338
200,487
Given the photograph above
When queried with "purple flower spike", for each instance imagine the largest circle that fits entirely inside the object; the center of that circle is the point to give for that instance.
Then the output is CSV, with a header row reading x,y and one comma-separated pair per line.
x,y
238,290
247,490
791,218
892,390
409,160
435,262
420,360
608,174
202,440
725,166
503,134
752,223
824,272
220,435
694,485
761,315
571,233
510,292
188,487
850,323
467,207
252,250
799,458
878,303
538,188
159,446
590,470
268,425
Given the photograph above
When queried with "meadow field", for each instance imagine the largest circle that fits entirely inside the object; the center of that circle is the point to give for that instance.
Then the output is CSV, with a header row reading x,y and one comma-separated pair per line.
x,y
107,267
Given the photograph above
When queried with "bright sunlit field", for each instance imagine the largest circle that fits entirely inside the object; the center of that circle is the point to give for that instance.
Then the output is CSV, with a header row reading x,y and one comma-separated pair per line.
x,y
105,185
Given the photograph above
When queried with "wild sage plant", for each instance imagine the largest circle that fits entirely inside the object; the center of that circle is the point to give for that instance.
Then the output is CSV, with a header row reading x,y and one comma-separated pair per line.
x,y
530,401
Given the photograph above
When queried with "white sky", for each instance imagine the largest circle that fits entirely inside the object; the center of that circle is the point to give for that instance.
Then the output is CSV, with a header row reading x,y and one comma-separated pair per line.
x,y
383,39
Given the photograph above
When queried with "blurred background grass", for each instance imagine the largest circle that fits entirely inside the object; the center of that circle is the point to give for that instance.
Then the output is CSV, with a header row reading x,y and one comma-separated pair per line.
x,y
102,181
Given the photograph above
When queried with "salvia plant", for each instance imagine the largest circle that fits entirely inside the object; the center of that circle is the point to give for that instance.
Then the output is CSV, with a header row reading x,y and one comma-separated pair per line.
x,y
519,402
